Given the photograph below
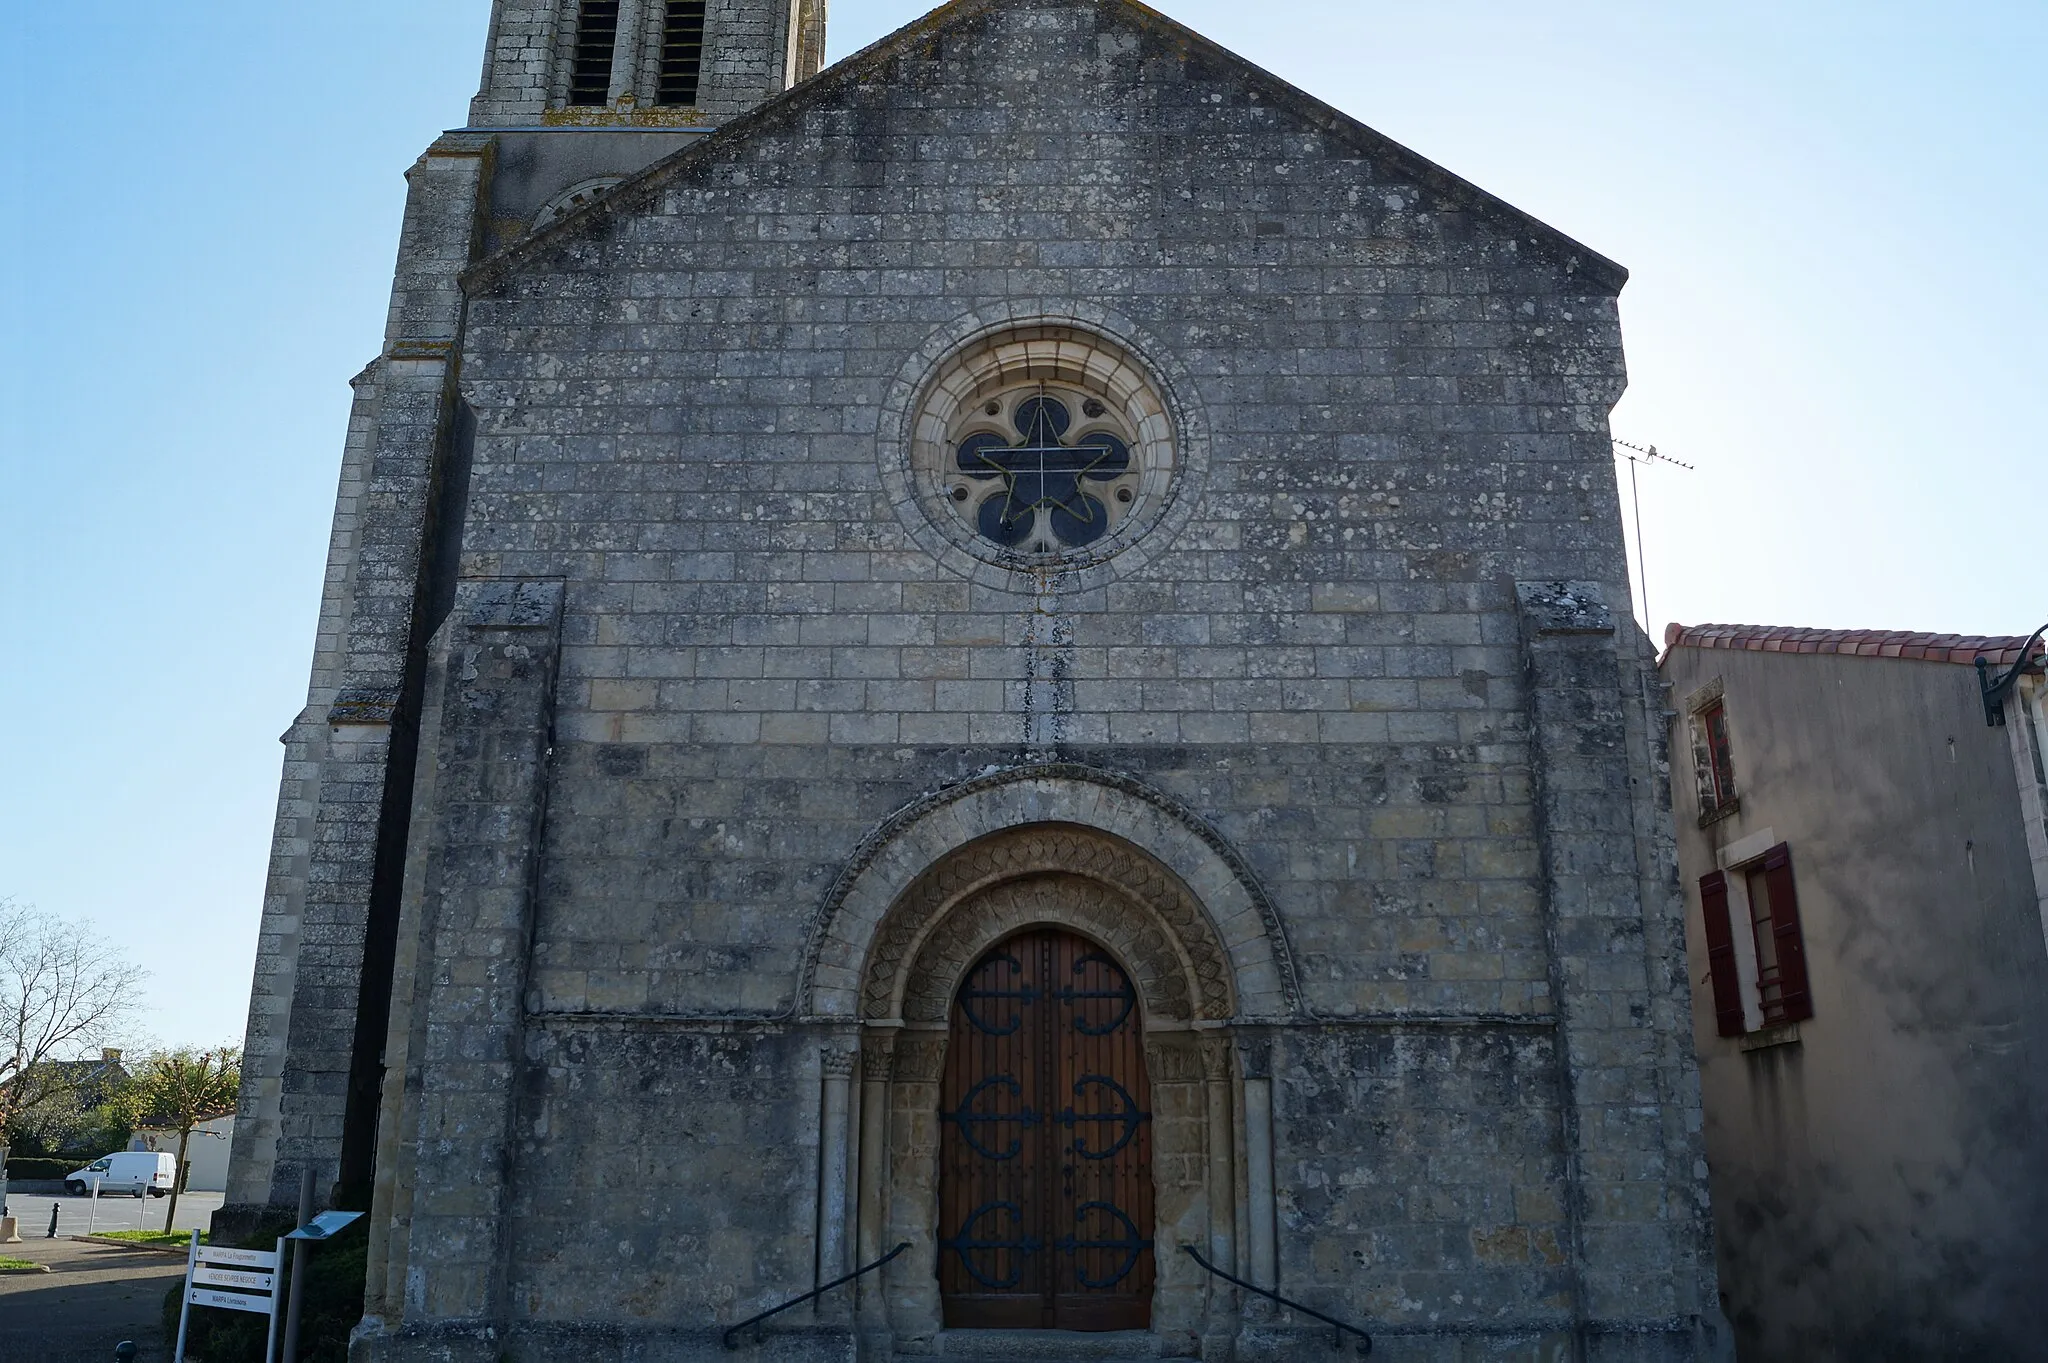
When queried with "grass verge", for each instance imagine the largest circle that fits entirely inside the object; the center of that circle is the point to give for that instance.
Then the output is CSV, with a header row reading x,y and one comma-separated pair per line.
x,y
155,1239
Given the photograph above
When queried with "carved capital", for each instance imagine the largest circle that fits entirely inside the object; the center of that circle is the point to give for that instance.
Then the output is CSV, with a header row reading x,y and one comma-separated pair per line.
x,y
878,1056
1216,1056
836,1062
921,1058
1256,1054
1173,1058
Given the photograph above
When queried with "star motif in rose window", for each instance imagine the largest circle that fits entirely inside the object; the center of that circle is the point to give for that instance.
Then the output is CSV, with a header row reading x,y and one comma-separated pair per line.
x,y
1044,475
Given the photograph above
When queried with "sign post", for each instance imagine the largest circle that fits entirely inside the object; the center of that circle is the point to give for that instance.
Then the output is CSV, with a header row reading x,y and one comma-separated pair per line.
x,y
231,1280
321,1227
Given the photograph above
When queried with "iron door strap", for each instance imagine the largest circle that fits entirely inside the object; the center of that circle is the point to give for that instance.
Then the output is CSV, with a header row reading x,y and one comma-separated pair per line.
x,y
1132,1244
1124,993
1129,1117
1025,997
967,1119
965,1244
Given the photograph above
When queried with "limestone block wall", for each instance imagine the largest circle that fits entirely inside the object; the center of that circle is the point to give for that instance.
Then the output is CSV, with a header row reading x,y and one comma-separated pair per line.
x,y
678,404
1426,1164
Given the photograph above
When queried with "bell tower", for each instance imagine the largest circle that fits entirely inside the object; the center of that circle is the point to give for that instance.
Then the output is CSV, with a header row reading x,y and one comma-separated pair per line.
x,y
577,95
647,63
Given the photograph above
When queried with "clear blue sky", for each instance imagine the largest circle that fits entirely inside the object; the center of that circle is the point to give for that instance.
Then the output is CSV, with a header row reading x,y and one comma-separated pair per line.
x,y
1832,211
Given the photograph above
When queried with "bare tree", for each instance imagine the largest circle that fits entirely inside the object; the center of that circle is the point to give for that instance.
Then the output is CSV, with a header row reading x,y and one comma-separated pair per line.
x,y
176,1091
63,995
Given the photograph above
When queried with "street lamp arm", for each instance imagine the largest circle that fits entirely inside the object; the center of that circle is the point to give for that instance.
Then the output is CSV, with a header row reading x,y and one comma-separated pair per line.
x,y
1995,691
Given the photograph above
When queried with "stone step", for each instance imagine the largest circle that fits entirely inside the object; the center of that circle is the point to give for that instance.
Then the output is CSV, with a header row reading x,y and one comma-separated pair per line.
x,y
1047,1346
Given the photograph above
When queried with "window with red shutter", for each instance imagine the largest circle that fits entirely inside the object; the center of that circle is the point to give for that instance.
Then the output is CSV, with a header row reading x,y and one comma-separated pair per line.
x,y
1788,940
1721,761
1713,755
1721,967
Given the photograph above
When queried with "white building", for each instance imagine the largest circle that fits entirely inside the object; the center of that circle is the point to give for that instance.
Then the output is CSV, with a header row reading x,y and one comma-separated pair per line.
x,y
206,1155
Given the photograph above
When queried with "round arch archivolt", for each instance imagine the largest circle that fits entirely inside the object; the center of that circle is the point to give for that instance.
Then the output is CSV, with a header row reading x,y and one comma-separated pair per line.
x,y
1046,874
1199,901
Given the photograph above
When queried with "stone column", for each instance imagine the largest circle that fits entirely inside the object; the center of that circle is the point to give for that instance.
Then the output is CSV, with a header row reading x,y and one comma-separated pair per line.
x,y
834,1205
1218,1076
877,1063
1258,1169
1259,1250
912,1282
627,48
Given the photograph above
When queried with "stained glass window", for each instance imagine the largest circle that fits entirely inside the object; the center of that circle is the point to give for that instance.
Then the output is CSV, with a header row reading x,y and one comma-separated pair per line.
x,y
1034,479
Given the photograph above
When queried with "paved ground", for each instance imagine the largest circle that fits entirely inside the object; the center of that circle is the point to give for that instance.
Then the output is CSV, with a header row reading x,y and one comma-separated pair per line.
x,y
94,1296
77,1215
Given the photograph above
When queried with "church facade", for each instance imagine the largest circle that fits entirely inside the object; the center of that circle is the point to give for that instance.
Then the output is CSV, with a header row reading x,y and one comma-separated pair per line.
x,y
1009,658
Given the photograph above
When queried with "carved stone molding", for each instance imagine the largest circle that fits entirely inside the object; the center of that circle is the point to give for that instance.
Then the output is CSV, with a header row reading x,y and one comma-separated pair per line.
x,y
1174,1058
1191,863
921,1058
1076,877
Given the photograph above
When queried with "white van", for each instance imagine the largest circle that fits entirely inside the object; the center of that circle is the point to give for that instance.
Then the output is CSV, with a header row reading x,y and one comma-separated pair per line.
x,y
134,1172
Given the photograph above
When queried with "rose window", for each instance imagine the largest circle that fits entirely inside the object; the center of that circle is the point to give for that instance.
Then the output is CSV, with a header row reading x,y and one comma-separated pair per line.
x,y
1042,445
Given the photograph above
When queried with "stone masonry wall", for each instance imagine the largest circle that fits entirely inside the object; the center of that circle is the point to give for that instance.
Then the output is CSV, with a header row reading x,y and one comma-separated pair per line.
x,y
677,404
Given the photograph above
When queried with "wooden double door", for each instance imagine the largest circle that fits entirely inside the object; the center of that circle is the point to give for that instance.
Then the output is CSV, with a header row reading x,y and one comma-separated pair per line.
x,y
1045,1144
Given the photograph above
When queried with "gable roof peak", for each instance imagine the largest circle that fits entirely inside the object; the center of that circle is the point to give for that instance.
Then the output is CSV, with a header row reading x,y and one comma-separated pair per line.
x,y
872,62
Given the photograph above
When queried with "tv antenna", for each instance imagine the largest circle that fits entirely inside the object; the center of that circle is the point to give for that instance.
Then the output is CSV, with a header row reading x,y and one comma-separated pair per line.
x,y
1643,454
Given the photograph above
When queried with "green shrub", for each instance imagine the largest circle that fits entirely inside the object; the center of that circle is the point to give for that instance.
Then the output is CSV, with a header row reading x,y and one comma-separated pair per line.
x,y
27,1168
335,1273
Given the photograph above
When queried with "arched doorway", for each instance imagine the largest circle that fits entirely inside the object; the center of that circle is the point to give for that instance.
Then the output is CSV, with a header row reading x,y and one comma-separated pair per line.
x,y
911,925
1045,1143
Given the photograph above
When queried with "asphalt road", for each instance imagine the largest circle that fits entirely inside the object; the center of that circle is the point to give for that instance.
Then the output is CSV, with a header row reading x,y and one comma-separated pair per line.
x,y
78,1215
94,1296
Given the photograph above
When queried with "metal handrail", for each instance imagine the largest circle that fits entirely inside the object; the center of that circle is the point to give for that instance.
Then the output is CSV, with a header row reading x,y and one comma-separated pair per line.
x,y
816,1292
1365,1340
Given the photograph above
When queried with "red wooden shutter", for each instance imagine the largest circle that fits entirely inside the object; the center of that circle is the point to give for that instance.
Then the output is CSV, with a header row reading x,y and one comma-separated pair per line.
x,y
1721,953
1791,942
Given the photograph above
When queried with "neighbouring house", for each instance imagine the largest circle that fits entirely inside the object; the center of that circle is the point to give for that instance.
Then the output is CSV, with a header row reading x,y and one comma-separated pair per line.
x,y
206,1154
68,1122
1865,857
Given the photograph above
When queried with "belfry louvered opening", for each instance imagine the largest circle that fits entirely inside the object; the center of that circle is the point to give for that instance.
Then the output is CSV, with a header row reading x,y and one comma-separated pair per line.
x,y
590,70
682,52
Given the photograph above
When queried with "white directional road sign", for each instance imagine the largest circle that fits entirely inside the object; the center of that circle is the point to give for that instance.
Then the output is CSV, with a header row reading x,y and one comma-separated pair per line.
x,y
232,1301
235,1277
246,1258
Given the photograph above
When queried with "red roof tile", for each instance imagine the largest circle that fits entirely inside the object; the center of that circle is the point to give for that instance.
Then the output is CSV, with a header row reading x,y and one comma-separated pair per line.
x,y
2001,650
